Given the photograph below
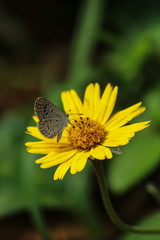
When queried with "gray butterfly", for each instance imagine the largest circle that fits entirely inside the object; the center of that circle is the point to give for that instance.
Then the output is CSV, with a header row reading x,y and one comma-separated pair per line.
x,y
52,121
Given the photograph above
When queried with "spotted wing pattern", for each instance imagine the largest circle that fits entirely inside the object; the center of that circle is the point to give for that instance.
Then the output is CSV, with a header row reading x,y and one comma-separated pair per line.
x,y
51,120
51,127
45,109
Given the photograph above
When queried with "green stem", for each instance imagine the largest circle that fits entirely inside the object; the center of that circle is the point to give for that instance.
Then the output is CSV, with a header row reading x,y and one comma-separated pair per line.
x,y
98,167
39,222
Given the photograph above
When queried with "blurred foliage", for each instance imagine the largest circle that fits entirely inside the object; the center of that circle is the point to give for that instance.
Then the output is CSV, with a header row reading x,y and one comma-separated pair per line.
x,y
88,41
153,220
136,162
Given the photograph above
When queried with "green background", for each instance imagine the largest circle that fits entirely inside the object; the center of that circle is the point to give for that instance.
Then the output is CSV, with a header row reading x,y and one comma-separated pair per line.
x,y
45,48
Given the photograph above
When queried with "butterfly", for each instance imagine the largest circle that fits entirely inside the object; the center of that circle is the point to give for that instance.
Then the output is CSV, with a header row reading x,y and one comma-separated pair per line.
x,y
52,121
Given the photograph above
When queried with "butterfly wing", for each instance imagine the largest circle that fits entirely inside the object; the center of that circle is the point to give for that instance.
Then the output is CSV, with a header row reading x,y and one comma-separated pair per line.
x,y
51,120
51,127
45,109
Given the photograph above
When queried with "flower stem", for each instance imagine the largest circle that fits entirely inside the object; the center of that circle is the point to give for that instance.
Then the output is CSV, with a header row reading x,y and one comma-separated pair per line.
x,y
39,223
98,167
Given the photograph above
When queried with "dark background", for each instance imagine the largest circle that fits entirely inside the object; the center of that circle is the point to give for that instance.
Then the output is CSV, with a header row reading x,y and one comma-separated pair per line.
x,y
47,47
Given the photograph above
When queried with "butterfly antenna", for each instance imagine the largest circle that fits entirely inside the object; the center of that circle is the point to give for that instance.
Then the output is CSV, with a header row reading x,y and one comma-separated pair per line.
x,y
74,113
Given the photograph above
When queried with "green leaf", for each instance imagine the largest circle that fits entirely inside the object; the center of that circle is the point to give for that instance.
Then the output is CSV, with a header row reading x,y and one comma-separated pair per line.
x,y
152,221
140,157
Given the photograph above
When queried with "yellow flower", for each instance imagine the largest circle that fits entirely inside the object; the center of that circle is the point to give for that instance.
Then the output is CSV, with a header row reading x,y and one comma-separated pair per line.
x,y
92,132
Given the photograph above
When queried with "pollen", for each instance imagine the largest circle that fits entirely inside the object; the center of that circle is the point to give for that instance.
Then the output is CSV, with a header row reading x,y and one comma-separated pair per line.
x,y
85,133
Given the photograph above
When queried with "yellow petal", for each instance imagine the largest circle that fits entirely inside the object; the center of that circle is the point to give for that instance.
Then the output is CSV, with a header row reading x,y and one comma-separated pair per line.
x,y
98,153
45,147
39,145
52,155
104,101
88,100
96,101
39,151
36,119
77,101
107,152
62,169
92,100
35,133
118,138
101,152
55,159
110,105
82,163
122,117
121,136
79,161
48,144
135,127
45,158
76,157
111,142
65,101
71,102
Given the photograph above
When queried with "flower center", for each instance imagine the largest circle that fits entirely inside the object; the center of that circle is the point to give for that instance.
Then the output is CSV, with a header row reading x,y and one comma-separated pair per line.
x,y
85,133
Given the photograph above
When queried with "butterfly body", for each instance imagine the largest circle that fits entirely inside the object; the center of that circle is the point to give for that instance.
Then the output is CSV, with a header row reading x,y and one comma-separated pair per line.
x,y
52,121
